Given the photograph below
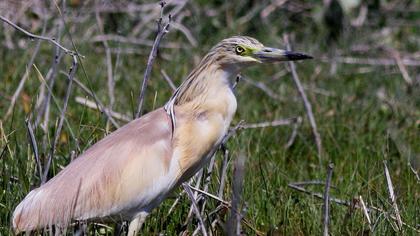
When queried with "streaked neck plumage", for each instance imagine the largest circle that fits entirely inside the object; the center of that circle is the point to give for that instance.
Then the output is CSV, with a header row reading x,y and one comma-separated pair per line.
x,y
207,83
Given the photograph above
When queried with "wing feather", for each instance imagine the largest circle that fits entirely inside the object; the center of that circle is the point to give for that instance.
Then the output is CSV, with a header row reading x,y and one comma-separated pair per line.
x,y
107,179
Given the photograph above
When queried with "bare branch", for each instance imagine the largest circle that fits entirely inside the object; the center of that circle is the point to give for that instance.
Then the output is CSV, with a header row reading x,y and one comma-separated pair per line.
x,y
292,138
25,76
34,146
99,104
110,75
326,206
397,56
348,204
373,61
195,207
234,221
210,195
72,72
223,172
308,106
162,30
263,87
278,122
132,40
392,196
34,36
93,105
366,213
168,79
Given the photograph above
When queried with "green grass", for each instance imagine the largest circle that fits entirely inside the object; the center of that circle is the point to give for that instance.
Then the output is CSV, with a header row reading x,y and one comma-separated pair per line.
x,y
353,122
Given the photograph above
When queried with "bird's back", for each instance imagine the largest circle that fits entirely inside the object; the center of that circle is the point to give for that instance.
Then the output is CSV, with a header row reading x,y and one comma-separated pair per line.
x,y
111,178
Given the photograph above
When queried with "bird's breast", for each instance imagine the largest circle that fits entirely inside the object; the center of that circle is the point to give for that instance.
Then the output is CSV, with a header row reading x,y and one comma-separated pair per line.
x,y
199,131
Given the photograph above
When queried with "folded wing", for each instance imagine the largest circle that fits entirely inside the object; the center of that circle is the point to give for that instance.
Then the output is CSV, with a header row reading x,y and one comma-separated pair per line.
x,y
113,177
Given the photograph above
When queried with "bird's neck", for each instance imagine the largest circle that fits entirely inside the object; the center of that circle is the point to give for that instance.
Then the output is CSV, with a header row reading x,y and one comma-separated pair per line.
x,y
204,108
205,83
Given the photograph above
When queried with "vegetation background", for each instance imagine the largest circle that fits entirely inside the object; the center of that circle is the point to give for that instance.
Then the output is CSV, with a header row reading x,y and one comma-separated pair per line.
x,y
363,86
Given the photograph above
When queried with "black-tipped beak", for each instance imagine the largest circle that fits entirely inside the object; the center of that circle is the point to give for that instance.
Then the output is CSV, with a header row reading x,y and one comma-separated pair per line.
x,y
274,54
294,56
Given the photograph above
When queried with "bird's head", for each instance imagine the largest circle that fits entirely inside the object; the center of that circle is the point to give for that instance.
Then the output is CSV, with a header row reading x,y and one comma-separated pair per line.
x,y
240,51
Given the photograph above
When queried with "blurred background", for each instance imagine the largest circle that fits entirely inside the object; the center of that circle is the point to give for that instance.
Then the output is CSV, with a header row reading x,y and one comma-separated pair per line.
x,y
363,86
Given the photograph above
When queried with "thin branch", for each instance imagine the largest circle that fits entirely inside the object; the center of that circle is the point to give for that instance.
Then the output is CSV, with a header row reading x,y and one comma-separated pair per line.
x,y
318,195
263,87
293,136
186,32
93,105
311,182
366,213
110,75
224,204
133,41
44,99
55,100
278,122
326,206
234,221
34,146
162,30
207,180
348,204
25,76
392,196
308,106
403,148
223,171
34,36
72,72
99,104
373,61
196,210
172,208
210,195
397,56
197,178
168,79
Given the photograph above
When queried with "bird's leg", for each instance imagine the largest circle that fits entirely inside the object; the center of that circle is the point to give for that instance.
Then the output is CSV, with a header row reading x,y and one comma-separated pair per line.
x,y
121,228
136,223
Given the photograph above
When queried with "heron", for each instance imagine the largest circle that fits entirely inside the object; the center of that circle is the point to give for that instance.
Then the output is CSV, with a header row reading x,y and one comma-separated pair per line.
x,y
131,171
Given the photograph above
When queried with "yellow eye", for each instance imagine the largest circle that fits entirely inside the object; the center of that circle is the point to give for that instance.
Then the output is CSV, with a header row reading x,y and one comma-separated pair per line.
x,y
239,50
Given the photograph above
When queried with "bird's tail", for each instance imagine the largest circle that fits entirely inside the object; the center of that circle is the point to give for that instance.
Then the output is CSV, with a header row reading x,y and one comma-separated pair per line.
x,y
25,216
38,210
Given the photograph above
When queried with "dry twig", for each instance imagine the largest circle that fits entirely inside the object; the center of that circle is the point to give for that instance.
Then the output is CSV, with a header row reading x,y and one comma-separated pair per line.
x,y
93,105
72,72
99,104
278,122
365,212
397,56
223,172
34,146
263,87
195,207
292,138
110,75
168,79
162,30
34,36
326,206
373,61
294,186
308,106
25,76
234,221
392,196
